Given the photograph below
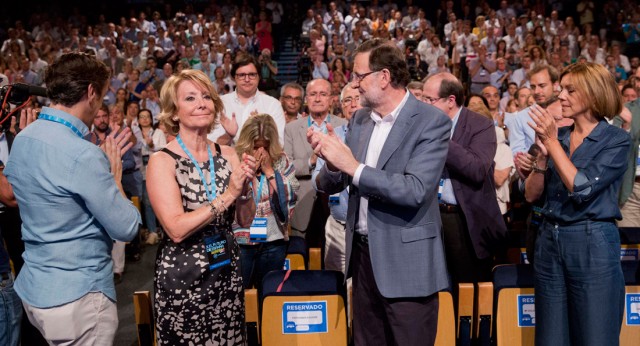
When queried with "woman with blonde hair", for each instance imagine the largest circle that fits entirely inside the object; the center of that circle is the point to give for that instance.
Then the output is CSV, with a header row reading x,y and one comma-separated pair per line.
x,y
579,286
198,189
274,189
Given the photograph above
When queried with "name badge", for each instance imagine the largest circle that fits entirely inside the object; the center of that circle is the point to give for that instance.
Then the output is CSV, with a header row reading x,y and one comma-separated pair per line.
x,y
217,248
242,236
258,229
334,199
440,189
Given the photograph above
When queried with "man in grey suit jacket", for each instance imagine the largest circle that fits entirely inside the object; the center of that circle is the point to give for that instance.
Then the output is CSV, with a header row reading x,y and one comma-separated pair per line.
x,y
394,154
318,95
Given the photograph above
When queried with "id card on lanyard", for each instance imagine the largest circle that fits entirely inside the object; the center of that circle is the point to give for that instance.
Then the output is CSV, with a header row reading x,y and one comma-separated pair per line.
x,y
216,246
258,228
217,249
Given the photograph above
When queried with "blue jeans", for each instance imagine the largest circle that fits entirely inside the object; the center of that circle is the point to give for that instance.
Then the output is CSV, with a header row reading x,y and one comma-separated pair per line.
x,y
257,260
149,215
579,285
10,314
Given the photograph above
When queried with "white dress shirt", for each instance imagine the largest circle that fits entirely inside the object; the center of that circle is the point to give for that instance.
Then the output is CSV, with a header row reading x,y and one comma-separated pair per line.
x,y
260,102
381,130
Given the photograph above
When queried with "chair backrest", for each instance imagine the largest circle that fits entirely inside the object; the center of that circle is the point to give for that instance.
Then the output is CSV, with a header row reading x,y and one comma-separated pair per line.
x,y
465,313
515,307
484,321
629,235
251,316
309,308
446,334
297,256
630,331
144,318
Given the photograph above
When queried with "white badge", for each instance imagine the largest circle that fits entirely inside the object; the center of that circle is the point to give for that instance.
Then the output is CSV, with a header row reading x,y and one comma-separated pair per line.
x,y
258,229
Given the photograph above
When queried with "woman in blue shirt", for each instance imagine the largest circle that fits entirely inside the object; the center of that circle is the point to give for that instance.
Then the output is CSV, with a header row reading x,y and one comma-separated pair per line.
x,y
579,287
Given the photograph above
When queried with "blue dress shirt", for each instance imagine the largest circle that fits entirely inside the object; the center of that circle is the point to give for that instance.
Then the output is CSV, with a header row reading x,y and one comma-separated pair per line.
x,y
521,135
71,210
339,210
601,161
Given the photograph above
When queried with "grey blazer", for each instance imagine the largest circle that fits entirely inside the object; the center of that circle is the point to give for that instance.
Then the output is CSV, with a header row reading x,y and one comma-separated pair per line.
x,y
299,151
403,219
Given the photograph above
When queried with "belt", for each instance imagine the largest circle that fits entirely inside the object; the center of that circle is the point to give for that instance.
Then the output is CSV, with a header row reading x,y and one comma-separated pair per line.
x,y
130,171
481,83
449,208
361,238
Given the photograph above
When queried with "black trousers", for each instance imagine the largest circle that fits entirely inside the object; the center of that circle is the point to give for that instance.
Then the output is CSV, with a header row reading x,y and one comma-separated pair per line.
x,y
462,262
388,321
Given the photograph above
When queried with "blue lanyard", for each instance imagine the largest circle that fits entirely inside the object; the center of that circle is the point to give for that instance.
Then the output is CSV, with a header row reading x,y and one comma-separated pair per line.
x,y
325,126
59,120
259,192
209,189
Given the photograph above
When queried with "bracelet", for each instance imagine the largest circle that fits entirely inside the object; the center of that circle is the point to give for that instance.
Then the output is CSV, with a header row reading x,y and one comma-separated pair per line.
x,y
271,177
221,204
536,169
248,196
213,210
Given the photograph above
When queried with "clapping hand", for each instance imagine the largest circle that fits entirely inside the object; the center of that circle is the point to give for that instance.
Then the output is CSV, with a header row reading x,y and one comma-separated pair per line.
x,y
244,175
330,148
120,138
112,148
544,124
230,125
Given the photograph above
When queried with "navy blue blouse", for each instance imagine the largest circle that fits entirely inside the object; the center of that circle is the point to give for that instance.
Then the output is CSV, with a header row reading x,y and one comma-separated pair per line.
x,y
601,163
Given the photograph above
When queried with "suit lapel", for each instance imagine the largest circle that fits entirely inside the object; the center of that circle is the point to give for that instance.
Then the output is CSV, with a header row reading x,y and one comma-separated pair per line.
x,y
398,132
364,137
461,125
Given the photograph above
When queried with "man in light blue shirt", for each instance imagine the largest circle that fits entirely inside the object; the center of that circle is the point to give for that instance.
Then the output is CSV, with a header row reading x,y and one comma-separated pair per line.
x,y
544,87
72,206
335,228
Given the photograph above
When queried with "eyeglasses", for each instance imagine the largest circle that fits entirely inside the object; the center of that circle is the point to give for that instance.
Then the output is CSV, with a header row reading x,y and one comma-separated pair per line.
x,y
251,76
291,98
431,100
349,100
357,78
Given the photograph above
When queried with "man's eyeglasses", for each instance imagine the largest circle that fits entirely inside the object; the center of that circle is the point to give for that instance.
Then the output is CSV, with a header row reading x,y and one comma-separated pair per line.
x,y
291,98
357,78
431,100
349,100
252,75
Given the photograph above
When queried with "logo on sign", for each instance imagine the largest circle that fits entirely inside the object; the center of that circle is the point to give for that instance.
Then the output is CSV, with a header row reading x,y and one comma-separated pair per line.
x,y
632,301
526,310
628,254
304,317
287,264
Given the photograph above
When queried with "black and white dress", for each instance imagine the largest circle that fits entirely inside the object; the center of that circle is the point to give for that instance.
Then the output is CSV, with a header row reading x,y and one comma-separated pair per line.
x,y
193,304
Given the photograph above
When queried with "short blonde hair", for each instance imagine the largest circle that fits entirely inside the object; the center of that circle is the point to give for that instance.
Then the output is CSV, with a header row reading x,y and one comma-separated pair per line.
x,y
481,109
260,126
595,83
169,98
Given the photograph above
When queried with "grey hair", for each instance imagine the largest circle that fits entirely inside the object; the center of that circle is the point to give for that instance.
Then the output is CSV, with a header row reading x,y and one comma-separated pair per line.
x,y
292,85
